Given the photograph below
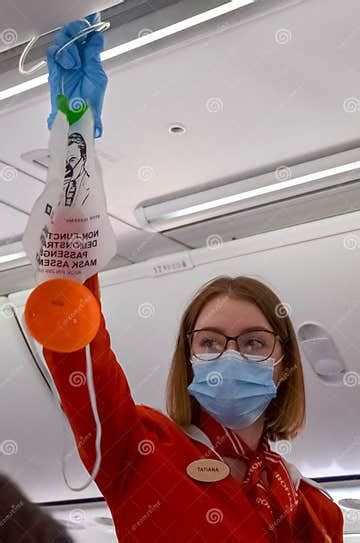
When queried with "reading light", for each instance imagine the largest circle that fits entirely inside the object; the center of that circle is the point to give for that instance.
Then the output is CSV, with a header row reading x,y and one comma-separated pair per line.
x,y
263,190
138,42
212,202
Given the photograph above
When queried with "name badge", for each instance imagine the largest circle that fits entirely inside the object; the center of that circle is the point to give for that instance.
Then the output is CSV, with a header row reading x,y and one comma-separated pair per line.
x,y
208,470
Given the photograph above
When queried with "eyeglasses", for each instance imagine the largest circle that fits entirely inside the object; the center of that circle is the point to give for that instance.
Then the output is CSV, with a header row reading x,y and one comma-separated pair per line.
x,y
205,341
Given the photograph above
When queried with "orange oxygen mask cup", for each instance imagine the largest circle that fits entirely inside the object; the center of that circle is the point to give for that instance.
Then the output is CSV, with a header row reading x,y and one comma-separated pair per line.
x,y
62,315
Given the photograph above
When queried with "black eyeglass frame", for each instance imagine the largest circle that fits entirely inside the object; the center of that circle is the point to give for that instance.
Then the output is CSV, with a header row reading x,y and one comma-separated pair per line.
x,y
235,338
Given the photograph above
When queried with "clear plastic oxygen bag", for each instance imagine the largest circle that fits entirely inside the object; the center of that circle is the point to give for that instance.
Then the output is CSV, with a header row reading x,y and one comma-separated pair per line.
x,y
69,234
69,237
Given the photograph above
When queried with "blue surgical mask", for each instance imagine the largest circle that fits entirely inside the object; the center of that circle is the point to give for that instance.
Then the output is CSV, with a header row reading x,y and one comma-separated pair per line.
x,y
235,390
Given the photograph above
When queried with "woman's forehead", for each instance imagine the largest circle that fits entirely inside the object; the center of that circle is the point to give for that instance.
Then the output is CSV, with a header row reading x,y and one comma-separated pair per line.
x,y
233,314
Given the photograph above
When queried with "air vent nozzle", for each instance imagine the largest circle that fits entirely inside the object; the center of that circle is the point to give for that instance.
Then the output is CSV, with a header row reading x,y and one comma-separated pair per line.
x,y
105,521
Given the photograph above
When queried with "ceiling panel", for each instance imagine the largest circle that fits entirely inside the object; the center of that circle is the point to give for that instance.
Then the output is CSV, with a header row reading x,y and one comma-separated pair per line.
x,y
136,244
12,223
249,101
21,19
18,188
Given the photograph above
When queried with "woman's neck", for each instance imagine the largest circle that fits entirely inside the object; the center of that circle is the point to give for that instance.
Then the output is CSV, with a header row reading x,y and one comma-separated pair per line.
x,y
252,434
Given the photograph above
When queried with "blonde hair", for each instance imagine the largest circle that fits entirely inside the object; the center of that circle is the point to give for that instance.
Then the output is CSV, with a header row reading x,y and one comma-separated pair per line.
x,y
285,415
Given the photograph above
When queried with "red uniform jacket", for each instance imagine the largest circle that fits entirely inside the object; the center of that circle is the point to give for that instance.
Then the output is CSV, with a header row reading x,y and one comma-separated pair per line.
x,y
144,458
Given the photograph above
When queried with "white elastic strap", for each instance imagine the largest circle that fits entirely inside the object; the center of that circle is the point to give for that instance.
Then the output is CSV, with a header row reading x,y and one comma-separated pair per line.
x,y
92,395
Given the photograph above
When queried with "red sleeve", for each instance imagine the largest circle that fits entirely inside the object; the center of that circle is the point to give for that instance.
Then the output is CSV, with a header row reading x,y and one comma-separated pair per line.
x,y
322,514
117,410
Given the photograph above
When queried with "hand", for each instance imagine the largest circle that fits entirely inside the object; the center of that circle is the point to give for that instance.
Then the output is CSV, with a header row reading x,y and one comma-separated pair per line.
x,y
77,71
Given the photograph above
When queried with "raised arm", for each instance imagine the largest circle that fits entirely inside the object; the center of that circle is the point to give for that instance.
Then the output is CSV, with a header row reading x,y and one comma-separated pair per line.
x,y
121,426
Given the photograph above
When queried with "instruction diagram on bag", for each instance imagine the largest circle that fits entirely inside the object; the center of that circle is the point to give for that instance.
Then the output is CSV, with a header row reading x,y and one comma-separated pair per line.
x,y
76,180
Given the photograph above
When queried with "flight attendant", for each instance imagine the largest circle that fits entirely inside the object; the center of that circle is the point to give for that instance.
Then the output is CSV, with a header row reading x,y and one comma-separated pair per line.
x,y
204,472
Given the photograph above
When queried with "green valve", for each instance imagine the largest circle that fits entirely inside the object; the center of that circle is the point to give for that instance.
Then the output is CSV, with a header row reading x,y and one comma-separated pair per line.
x,y
75,110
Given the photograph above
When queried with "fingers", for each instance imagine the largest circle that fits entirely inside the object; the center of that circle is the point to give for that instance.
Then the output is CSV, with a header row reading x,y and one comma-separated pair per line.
x,y
72,29
50,119
54,72
91,45
94,46
51,51
98,128
94,18
69,57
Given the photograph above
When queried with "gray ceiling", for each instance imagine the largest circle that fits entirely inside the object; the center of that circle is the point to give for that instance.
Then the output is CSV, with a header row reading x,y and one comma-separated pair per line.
x,y
273,83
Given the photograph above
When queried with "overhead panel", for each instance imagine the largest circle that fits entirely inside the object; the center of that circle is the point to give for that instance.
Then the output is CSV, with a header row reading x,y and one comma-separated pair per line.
x,y
12,223
17,188
21,19
268,218
136,245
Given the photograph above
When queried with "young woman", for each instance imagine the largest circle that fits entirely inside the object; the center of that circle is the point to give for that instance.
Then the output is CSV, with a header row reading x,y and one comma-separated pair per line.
x,y
206,472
